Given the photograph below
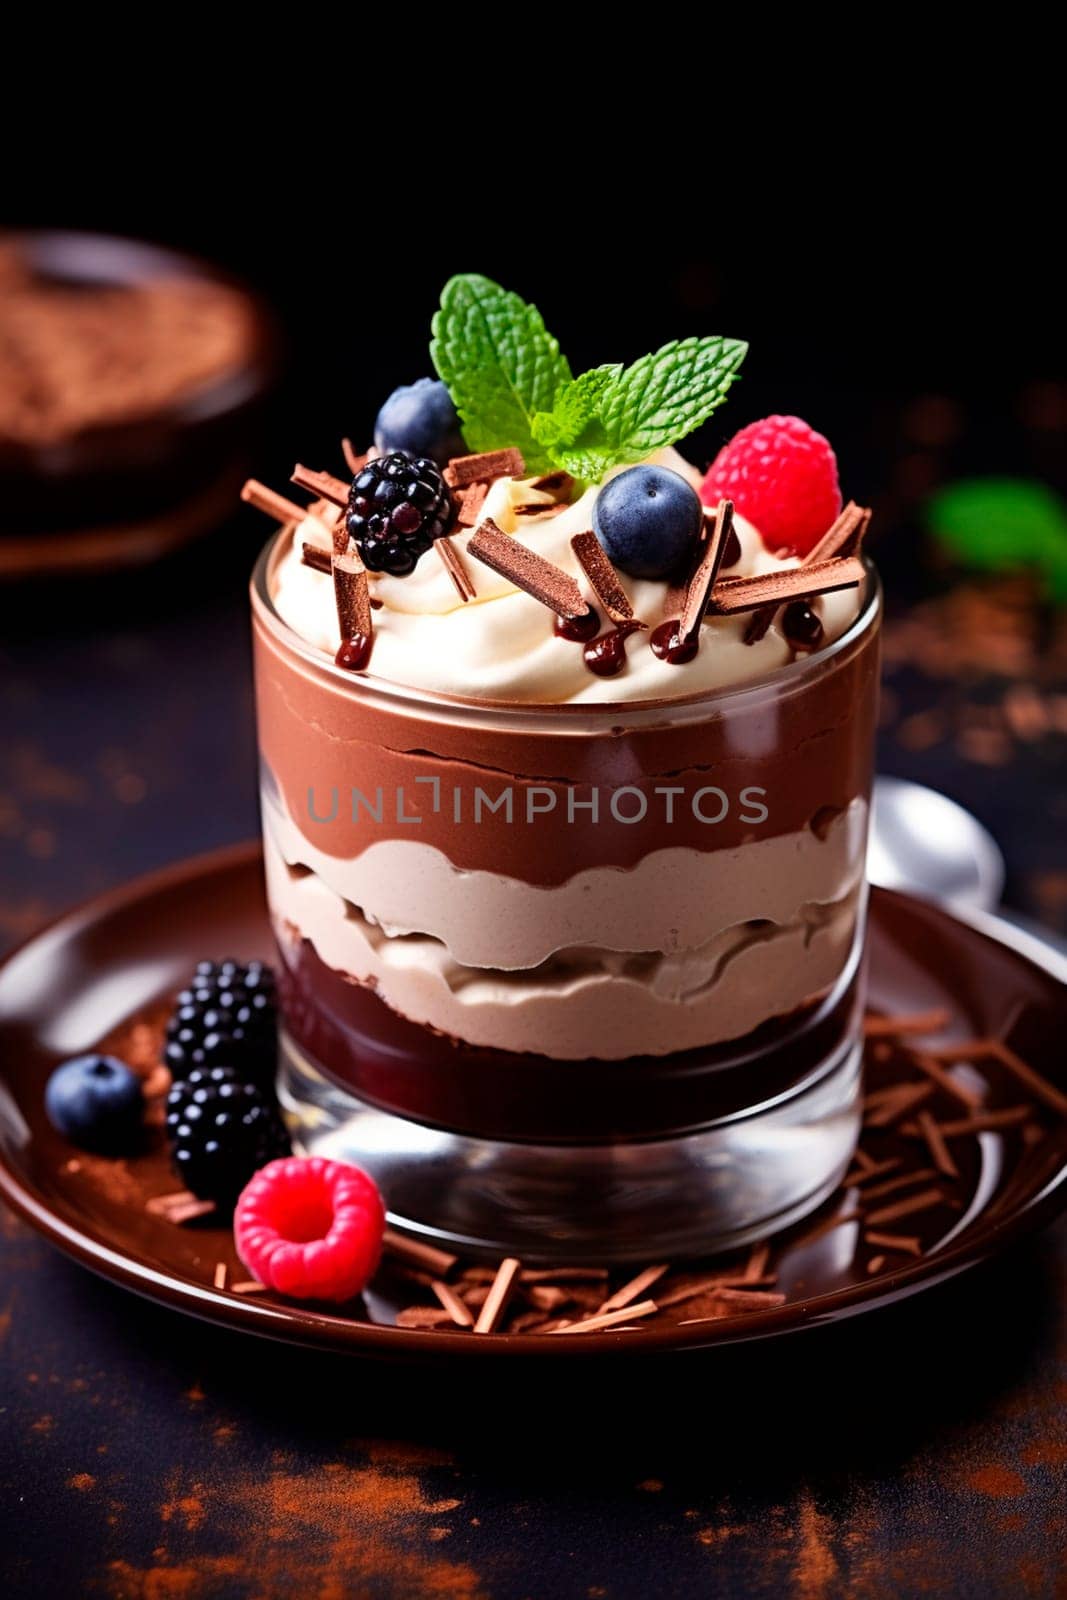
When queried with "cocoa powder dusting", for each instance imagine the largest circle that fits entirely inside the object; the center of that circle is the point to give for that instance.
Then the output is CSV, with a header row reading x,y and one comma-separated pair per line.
x,y
331,1531
815,1567
999,1482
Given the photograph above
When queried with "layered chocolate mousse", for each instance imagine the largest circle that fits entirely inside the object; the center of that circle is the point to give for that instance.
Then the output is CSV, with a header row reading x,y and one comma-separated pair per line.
x,y
566,752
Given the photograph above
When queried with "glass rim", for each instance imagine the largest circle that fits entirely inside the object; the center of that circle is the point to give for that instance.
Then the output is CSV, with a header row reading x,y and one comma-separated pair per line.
x,y
605,714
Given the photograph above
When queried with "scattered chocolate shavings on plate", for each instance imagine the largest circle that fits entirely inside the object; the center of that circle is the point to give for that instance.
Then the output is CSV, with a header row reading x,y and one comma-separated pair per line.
x,y
914,1080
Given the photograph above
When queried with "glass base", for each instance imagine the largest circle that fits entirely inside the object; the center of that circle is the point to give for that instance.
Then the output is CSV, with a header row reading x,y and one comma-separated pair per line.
x,y
691,1194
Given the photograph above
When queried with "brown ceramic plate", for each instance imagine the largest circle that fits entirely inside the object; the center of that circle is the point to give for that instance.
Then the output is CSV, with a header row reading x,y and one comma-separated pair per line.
x,y
99,971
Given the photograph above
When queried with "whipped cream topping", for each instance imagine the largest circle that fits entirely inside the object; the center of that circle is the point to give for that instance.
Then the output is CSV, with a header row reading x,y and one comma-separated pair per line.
x,y
501,646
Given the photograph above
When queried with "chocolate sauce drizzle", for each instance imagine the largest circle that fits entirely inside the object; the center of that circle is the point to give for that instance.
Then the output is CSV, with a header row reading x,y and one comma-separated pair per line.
x,y
606,656
578,629
801,626
670,644
354,654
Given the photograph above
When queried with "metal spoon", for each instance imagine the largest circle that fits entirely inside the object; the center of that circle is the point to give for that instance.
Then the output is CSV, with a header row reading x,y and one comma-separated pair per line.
x,y
925,843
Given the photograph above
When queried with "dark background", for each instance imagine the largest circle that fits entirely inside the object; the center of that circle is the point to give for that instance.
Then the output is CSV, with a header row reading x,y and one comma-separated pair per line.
x,y
870,249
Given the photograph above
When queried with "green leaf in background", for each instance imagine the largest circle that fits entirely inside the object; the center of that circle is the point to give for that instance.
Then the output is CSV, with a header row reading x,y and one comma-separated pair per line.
x,y
1002,523
500,363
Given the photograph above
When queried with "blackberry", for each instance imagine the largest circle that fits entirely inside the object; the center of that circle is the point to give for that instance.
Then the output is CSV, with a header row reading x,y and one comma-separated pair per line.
x,y
396,509
226,1016
220,1131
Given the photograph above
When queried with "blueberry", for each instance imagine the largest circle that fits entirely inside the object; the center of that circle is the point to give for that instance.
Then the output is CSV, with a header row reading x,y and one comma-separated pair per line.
x,y
419,419
648,521
97,1102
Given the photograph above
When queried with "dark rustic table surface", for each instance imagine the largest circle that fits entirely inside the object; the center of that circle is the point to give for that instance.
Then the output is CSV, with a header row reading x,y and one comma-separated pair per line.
x,y
919,1451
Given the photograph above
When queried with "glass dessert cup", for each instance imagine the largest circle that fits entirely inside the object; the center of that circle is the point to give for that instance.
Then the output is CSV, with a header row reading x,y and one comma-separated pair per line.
x,y
574,982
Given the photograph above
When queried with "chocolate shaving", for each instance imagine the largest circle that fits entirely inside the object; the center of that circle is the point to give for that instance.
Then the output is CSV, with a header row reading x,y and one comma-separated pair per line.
x,y
843,537
1038,1086
353,460
603,578
970,1050
906,1181
423,1317
610,1319
906,1098
416,1254
905,1208
539,508
935,1143
277,506
875,1264
530,1322
320,560
159,1204
756,1265
547,1297
750,1299
634,1289
558,484
896,1027
759,623
324,484
734,595
192,1211
702,583
248,1286
499,1294
853,1180
527,570
564,1275
692,1288
352,594
452,562
469,505
936,1072
222,1272
181,1205
456,1308
986,1121
734,1302
908,1246
483,468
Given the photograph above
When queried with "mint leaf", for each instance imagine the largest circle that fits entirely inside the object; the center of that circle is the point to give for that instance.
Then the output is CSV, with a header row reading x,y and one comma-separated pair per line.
x,y
998,524
576,408
656,402
501,365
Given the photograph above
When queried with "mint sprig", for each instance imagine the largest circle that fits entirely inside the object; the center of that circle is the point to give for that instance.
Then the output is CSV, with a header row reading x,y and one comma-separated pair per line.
x,y
500,364
512,386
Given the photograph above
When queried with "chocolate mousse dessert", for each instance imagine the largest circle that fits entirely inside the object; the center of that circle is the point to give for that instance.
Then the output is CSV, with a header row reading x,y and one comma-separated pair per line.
x,y
566,753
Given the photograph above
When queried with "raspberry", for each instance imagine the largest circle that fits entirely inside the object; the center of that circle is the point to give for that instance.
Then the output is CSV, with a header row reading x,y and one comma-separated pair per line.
x,y
782,476
396,509
310,1228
